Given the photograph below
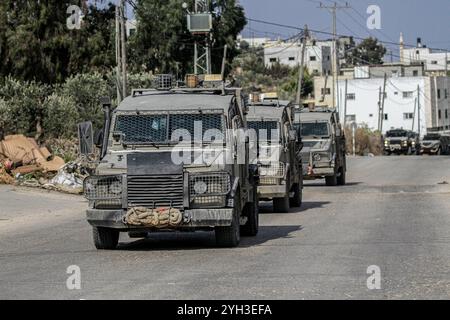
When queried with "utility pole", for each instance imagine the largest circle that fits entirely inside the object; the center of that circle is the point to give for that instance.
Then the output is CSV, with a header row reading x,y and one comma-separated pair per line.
x,y
123,47
379,109
418,109
121,51
383,99
302,67
414,114
334,61
118,59
345,103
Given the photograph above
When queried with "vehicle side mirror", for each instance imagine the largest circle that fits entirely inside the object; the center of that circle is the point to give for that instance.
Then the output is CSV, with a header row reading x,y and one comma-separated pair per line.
x,y
85,138
98,138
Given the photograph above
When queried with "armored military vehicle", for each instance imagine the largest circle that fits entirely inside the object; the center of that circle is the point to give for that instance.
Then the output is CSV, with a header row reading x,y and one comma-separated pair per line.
x,y
323,151
279,159
400,141
174,159
435,143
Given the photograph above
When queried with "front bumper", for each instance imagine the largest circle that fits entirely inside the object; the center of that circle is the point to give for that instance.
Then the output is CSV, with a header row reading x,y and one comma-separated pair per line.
x,y
195,218
396,148
429,150
272,191
317,173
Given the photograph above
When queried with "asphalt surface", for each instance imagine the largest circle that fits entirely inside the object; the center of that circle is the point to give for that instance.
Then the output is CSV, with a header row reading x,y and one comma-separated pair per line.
x,y
394,213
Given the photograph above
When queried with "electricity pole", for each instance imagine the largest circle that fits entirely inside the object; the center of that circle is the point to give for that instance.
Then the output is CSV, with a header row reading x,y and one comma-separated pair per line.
x,y
418,108
383,99
121,51
334,61
302,67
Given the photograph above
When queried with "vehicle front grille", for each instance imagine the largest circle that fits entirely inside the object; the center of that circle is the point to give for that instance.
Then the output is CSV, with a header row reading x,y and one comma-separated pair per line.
x,y
396,141
155,191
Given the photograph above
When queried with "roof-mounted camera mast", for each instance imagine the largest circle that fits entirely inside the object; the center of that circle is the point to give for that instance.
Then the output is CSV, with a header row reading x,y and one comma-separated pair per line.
x,y
199,23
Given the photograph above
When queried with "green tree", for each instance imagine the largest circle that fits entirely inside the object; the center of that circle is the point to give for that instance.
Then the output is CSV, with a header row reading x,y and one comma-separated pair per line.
x,y
369,51
36,45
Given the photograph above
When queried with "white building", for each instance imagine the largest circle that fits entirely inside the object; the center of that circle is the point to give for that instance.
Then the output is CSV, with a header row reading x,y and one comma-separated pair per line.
x,y
317,58
254,42
130,27
400,104
401,108
435,63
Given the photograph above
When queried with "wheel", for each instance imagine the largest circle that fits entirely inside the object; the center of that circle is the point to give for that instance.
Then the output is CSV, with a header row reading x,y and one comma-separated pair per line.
x,y
296,200
439,152
105,238
229,237
251,211
281,205
331,181
341,180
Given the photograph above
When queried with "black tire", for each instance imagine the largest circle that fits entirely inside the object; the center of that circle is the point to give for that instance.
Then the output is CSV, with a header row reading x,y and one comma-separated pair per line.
x,y
105,238
296,200
331,181
281,205
229,237
251,211
342,179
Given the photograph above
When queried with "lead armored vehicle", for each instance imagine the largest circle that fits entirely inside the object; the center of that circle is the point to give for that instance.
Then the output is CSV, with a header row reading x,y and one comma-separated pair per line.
x,y
324,141
278,148
174,160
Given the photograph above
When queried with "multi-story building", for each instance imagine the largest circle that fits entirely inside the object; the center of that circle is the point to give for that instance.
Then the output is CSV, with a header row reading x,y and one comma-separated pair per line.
x,y
317,58
435,63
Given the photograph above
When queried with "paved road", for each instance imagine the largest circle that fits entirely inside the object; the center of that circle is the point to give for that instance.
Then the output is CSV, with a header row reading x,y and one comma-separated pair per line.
x,y
394,213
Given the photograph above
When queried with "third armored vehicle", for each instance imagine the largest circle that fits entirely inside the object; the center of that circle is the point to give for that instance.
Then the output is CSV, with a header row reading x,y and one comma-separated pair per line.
x,y
323,145
279,159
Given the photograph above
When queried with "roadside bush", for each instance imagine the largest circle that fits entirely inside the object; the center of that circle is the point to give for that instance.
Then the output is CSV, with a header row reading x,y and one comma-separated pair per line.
x,y
60,117
86,91
23,106
366,141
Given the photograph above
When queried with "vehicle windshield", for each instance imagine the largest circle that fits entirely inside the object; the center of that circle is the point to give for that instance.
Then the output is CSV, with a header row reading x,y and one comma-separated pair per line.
x,y
396,134
315,129
432,137
265,130
169,128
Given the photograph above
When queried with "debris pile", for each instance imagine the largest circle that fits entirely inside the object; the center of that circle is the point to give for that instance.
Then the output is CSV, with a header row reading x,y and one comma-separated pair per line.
x,y
24,162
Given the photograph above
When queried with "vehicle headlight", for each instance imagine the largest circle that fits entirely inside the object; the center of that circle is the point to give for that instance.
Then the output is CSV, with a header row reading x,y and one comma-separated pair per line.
x,y
405,143
276,169
209,190
386,142
209,184
102,187
317,157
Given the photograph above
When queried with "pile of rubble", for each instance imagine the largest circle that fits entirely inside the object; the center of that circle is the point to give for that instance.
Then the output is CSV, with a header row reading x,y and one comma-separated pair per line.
x,y
24,162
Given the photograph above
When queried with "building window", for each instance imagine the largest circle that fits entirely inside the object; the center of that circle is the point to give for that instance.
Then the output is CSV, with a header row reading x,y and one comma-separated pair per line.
x,y
408,116
371,115
386,117
326,91
396,93
439,93
273,59
313,58
415,73
350,118
446,94
351,96
291,58
407,94
434,62
446,113
439,114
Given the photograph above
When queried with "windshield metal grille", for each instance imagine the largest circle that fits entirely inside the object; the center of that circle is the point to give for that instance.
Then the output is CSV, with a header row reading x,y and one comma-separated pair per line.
x,y
142,129
265,129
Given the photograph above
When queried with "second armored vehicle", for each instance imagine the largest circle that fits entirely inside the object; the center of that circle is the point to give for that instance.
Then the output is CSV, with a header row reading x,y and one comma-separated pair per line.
x,y
278,151
400,141
323,145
